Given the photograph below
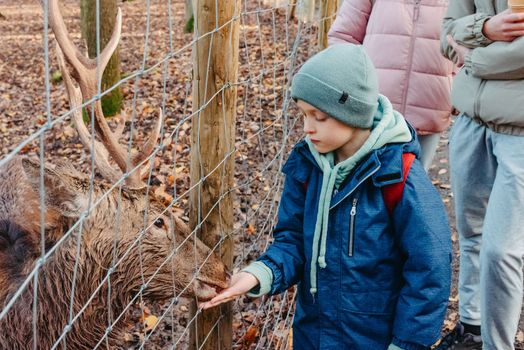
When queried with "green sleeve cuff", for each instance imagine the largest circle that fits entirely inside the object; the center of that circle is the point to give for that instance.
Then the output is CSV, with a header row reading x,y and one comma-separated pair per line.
x,y
394,347
480,19
264,276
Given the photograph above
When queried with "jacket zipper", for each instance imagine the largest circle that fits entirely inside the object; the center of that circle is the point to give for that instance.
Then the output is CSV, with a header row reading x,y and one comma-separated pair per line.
x,y
354,188
352,215
416,12
476,106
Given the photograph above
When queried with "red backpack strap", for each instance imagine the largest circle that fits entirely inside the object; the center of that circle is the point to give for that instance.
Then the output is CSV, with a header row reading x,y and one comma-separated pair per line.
x,y
305,185
393,193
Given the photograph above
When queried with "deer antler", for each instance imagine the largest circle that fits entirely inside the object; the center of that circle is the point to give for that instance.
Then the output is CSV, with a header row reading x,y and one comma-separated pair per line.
x,y
75,101
87,74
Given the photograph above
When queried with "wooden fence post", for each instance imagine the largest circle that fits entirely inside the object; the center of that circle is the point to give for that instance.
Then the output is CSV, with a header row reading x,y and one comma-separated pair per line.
x,y
215,72
328,8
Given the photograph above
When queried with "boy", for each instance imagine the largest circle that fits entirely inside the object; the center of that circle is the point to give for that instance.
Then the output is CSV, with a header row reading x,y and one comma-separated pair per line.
x,y
367,278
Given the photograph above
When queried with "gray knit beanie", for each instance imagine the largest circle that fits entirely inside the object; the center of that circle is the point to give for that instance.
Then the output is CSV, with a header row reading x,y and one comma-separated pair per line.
x,y
340,81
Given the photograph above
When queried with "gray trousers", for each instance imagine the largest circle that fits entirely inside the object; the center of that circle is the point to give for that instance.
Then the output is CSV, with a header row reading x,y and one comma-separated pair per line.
x,y
487,178
428,148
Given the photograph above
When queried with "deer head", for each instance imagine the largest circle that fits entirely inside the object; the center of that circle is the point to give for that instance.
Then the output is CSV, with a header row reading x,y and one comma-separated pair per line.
x,y
108,244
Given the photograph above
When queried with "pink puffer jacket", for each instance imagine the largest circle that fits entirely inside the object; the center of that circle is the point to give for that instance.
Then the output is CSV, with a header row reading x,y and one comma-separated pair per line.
x,y
402,37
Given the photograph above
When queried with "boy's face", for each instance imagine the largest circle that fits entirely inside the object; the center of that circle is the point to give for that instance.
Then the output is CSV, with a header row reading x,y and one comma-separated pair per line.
x,y
325,132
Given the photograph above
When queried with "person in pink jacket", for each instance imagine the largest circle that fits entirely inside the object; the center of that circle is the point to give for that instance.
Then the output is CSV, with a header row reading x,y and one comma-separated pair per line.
x,y
402,37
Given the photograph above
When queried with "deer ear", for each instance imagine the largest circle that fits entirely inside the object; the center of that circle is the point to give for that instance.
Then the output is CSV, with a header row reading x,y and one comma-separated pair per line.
x,y
61,189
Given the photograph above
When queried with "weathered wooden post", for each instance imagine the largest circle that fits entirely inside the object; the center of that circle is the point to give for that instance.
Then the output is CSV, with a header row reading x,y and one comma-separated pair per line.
x,y
215,72
328,9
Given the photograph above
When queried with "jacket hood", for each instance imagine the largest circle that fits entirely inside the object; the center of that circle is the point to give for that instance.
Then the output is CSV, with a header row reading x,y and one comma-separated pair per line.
x,y
388,155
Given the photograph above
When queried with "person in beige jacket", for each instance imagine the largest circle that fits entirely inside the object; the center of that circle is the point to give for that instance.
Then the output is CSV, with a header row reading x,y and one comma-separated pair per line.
x,y
486,152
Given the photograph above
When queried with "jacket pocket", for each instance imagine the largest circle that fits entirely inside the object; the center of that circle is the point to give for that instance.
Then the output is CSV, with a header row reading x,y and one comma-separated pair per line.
x,y
352,216
367,319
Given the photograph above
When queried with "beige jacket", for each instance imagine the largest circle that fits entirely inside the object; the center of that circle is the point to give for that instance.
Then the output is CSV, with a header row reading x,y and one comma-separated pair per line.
x,y
490,86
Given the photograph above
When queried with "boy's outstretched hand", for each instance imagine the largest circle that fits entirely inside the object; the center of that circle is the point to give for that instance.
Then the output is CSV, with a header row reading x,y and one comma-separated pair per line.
x,y
240,284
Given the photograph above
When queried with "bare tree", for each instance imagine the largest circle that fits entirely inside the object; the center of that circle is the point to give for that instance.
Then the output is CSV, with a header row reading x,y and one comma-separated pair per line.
x,y
112,102
190,17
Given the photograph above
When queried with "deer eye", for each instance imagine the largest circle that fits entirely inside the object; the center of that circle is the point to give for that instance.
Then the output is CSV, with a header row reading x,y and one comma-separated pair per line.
x,y
159,223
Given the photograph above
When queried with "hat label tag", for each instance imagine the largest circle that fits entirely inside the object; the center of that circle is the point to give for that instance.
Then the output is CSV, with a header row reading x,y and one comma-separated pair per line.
x,y
343,98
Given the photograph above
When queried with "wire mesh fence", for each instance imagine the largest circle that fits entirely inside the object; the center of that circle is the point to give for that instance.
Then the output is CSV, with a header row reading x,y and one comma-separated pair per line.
x,y
89,262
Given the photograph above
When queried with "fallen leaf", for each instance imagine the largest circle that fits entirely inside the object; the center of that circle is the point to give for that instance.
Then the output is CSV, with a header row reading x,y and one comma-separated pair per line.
x,y
150,322
520,336
128,337
170,180
250,229
69,131
160,193
448,325
250,336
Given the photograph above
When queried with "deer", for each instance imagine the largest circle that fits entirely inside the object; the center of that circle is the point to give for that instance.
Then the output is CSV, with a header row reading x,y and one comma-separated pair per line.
x,y
93,235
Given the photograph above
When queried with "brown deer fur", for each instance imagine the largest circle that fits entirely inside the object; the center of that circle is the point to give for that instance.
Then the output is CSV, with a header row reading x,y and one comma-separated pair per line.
x,y
105,240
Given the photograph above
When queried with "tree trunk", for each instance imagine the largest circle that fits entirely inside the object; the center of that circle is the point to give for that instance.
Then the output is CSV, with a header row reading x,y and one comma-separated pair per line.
x,y
306,10
293,8
189,18
111,102
213,142
328,9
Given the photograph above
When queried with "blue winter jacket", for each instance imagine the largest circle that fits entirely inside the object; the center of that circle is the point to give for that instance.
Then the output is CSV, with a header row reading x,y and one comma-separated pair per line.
x,y
387,278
